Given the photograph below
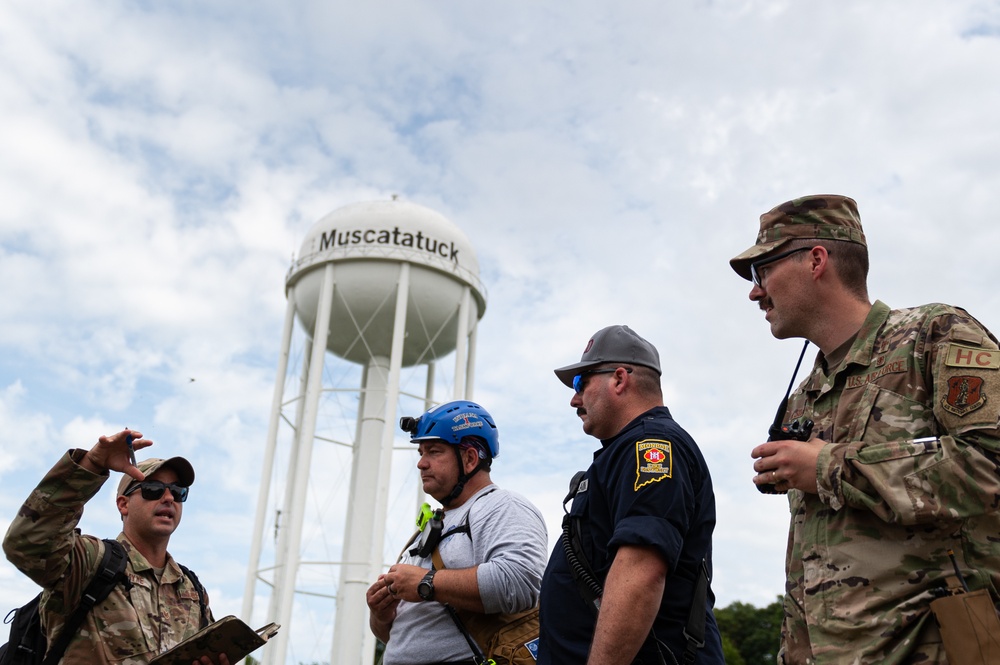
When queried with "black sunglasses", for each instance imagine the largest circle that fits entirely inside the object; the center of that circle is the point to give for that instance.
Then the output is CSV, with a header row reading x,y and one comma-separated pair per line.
x,y
578,379
152,490
756,265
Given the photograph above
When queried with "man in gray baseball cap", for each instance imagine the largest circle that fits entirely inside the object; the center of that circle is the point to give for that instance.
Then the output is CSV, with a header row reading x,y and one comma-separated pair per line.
x,y
642,520
614,344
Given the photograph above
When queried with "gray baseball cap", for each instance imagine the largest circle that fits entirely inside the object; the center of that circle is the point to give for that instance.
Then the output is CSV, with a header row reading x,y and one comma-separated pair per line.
x,y
614,344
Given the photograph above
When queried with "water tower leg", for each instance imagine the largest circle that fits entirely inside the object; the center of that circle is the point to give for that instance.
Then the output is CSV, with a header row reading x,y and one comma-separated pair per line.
x,y
269,654
428,388
461,341
470,380
428,403
362,397
364,534
296,516
253,566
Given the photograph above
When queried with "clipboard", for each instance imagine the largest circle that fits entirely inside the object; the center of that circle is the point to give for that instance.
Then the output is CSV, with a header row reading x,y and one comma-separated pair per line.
x,y
228,635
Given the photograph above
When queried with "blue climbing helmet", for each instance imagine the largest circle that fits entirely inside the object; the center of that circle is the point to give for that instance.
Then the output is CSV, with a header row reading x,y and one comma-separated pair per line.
x,y
452,422
460,424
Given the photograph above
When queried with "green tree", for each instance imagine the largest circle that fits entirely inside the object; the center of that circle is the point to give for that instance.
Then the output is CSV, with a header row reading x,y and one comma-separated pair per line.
x,y
754,632
730,654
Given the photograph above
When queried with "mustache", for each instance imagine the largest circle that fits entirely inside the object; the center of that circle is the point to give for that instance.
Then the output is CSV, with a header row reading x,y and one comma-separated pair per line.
x,y
765,303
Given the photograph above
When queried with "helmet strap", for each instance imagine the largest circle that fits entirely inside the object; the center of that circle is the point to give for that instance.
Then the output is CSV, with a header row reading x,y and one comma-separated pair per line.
x,y
463,477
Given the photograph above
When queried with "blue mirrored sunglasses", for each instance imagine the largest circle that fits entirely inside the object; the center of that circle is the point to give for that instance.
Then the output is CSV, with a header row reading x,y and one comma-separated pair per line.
x,y
578,379
152,490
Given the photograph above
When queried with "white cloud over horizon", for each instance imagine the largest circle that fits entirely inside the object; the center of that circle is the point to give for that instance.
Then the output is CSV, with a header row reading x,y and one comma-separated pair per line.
x,y
161,165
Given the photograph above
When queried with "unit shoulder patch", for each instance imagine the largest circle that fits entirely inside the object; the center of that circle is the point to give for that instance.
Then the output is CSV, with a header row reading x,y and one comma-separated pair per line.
x,y
965,394
972,358
653,461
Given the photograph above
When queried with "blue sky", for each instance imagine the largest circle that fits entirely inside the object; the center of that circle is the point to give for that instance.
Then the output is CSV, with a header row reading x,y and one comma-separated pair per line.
x,y
161,164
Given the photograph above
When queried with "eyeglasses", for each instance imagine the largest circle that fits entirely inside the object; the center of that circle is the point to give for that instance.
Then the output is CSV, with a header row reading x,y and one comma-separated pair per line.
x,y
755,267
152,490
578,379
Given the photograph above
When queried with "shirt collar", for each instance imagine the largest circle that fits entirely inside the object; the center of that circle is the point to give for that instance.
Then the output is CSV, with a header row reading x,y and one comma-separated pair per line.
x,y
860,353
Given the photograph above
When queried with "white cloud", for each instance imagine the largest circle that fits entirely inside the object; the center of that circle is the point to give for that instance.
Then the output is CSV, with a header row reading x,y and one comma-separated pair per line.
x,y
161,166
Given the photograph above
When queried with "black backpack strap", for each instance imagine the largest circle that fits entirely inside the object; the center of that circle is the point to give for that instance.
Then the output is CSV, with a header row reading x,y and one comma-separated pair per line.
x,y
479,658
464,527
202,605
110,572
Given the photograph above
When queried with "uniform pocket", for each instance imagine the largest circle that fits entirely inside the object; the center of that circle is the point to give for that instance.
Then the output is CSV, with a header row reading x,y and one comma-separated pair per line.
x,y
883,416
896,440
960,484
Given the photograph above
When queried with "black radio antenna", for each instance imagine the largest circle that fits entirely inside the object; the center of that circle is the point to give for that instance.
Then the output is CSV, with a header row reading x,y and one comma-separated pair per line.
x,y
779,417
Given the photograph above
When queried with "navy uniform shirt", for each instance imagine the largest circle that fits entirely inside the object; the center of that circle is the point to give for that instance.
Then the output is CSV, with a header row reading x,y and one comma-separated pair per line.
x,y
649,485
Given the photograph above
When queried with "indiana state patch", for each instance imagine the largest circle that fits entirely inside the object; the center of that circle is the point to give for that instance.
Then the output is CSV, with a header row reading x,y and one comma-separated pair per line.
x,y
653,461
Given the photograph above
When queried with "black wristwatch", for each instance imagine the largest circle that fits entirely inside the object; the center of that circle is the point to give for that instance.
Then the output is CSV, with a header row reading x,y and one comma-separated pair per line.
x,y
426,587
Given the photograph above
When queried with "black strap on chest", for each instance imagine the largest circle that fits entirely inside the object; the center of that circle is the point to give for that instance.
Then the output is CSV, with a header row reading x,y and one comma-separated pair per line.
x,y
435,522
437,563
109,573
591,589
202,605
479,658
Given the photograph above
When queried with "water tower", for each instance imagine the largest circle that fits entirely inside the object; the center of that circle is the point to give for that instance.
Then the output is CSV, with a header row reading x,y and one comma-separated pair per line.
x,y
385,285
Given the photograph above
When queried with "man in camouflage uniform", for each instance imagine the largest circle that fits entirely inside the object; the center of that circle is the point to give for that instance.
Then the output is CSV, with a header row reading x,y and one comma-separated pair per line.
x,y
903,463
157,605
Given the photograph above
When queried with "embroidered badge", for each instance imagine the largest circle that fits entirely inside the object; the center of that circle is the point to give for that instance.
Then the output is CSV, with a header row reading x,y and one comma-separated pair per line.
x,y
973,358
532,647
653,461
883,368
965,394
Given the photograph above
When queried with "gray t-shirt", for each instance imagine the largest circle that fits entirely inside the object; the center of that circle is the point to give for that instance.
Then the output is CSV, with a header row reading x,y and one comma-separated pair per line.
x,y
508,540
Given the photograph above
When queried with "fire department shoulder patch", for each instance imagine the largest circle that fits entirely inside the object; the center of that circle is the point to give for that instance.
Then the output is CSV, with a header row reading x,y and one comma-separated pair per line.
x,y
653,461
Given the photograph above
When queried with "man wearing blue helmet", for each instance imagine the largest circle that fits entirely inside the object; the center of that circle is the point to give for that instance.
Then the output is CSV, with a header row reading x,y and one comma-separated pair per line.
x,y
483,554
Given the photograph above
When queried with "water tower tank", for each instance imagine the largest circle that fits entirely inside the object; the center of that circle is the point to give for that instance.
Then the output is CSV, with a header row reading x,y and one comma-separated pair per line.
x,y
367,241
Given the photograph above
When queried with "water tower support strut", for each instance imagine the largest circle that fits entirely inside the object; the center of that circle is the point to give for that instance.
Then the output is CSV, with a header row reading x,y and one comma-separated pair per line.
x,y
461,345
279,645
282,553
364,532
268,463
470,381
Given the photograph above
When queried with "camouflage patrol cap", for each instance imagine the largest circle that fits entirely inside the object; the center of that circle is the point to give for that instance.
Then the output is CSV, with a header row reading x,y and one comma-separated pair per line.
x,y
820,216
182,467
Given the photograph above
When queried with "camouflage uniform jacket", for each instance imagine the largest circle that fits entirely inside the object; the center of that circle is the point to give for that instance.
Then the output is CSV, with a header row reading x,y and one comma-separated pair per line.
x,y
911,471
130,626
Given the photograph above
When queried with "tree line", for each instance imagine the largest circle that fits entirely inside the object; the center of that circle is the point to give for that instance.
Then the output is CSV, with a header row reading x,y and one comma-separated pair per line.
x,y
750,635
